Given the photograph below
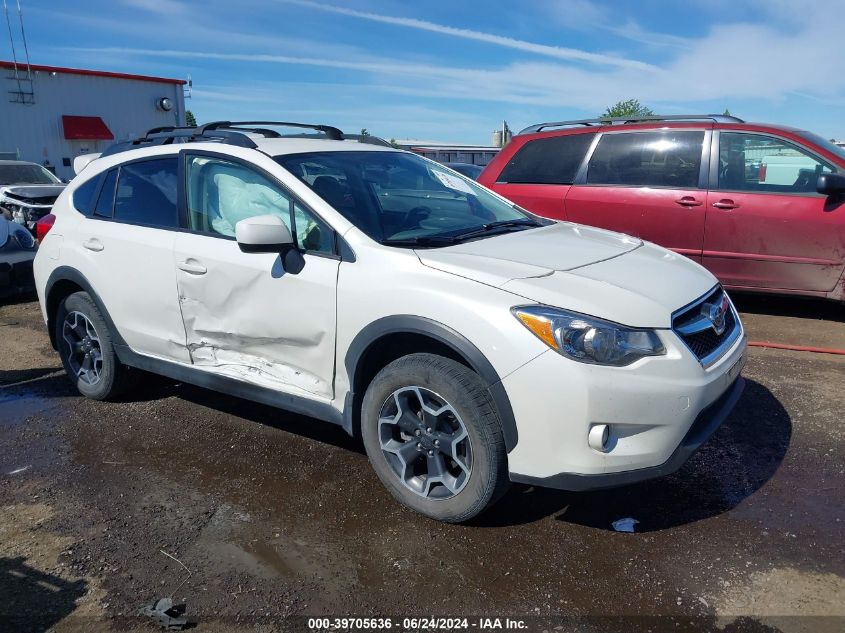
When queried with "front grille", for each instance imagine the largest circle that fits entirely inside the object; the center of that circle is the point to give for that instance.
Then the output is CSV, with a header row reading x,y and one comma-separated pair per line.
x,y
694,327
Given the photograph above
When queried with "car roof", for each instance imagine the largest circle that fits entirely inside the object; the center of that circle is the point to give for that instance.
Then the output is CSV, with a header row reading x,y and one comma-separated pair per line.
x,y
658,125
298,145
17,162
269,146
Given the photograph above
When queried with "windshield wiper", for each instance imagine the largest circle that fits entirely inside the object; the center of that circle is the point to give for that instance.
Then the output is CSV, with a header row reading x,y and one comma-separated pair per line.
x,y
491,228
496,227
422,240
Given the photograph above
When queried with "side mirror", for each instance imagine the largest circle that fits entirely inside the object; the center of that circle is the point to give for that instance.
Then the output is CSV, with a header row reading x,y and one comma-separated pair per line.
x,y
831,184
268,234
263,234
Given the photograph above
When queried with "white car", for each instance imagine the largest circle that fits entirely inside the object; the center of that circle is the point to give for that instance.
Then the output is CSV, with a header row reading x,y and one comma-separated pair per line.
x,y
469,342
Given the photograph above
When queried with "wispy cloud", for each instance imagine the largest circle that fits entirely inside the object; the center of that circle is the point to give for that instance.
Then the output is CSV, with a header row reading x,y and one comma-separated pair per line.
x,y
778,64
558,52
158,7
586,15
798,64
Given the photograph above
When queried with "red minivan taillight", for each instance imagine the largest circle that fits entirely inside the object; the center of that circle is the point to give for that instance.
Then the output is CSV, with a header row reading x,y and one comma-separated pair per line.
x,y
43,226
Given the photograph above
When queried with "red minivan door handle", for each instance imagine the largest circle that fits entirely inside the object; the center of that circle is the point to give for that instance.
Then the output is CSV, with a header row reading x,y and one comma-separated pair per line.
x,y
688,201
725,203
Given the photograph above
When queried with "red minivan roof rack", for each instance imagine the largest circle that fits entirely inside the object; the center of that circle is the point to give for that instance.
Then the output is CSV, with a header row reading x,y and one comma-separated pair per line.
x,y
716,118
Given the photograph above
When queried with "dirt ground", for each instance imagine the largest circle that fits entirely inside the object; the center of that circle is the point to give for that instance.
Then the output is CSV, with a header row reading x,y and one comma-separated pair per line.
x,y
277,517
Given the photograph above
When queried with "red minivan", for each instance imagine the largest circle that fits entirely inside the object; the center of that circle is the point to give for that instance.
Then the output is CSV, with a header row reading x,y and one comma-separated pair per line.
x,y
762,206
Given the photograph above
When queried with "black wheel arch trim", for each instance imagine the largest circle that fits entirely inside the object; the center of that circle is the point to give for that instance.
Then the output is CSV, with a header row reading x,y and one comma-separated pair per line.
x,y
66,273
412,324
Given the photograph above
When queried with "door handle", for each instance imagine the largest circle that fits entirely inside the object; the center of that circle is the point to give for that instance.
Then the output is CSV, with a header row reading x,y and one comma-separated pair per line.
x,y
725,203
93,244
688,201
192,267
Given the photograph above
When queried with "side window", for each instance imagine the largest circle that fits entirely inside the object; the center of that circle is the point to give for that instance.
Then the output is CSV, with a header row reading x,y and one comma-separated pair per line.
x,y
647,159
221,193
83,197
755,162
146,193
312,234
105,201
553,161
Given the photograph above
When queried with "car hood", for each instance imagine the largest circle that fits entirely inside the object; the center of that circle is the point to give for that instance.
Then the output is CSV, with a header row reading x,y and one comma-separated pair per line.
x,y
592,271
559,247
33,191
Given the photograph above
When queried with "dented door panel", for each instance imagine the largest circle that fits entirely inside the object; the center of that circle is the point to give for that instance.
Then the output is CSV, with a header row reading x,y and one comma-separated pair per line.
x,y
246,318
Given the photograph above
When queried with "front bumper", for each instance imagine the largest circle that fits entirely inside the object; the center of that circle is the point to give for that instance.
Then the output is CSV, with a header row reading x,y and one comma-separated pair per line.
x,y
702,428
659,411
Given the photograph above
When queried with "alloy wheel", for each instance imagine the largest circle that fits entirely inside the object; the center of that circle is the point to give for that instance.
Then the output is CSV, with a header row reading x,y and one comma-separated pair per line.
x,y
84,354
425,442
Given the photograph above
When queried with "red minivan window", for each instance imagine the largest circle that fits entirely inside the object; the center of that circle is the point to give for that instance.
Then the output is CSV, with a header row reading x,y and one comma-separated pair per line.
x,y
539,172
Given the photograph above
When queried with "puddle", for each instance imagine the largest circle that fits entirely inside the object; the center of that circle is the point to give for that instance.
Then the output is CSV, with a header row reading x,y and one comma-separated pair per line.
x,y
17,407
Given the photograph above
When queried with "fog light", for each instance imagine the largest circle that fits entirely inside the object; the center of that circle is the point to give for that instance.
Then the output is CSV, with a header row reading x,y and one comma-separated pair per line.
x,y
598,436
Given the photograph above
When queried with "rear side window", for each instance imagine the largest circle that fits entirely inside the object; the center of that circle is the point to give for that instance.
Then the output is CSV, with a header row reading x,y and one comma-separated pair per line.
x,y
105,201
647,159
755,162
146,193
83,197
547,161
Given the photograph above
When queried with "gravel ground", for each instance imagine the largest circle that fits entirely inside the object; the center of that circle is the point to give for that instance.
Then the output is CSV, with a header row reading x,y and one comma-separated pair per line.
x,y
274,517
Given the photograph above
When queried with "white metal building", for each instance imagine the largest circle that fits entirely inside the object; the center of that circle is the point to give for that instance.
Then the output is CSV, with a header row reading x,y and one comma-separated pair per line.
x,y
49,115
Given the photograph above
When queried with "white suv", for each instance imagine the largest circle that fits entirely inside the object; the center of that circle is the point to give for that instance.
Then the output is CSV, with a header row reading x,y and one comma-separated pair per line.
x,y
470,343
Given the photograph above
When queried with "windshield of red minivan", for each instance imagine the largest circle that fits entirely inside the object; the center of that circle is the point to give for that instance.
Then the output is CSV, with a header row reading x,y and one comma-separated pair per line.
x,y
824,144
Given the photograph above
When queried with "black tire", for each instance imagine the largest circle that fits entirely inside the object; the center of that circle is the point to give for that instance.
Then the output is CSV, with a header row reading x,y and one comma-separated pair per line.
x,y
465,392
114,377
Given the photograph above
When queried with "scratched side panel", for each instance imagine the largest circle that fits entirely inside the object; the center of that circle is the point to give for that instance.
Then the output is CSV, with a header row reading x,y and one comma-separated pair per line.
x,y
248,319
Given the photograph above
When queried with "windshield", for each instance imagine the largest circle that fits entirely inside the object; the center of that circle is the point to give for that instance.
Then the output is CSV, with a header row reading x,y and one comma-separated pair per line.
x,y
834,149
403,199
26,174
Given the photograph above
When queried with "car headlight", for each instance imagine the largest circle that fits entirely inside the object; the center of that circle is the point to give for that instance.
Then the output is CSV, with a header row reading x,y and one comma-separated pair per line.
x,y
588,339
24,238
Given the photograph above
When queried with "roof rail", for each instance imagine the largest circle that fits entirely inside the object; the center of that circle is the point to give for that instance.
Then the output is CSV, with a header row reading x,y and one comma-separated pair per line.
x,y
233,133
332,133
367,138
172,135
716,118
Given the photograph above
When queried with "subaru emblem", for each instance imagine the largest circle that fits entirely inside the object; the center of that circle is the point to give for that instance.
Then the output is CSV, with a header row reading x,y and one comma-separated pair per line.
x,y
716,313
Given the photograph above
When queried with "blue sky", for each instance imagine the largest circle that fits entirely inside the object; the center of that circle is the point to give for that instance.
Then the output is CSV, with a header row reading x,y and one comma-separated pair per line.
x,y
453,70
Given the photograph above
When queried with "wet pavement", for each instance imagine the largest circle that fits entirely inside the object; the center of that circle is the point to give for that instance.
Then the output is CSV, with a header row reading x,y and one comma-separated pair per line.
x,y
277,516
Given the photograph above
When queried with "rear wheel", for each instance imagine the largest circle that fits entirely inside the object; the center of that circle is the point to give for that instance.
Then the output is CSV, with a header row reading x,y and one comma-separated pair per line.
x,y
433,437
87,351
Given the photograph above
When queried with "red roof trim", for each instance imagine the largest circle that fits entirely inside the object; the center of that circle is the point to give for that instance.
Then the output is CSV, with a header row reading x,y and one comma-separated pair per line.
x,y
94,73
86,128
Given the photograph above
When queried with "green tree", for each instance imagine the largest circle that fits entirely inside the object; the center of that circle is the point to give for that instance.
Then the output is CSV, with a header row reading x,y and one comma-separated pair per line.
x,y
190,120
728,112
629,107
364,132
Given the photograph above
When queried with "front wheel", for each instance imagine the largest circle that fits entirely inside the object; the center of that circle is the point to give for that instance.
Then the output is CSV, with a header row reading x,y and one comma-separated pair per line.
x,y
433,436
